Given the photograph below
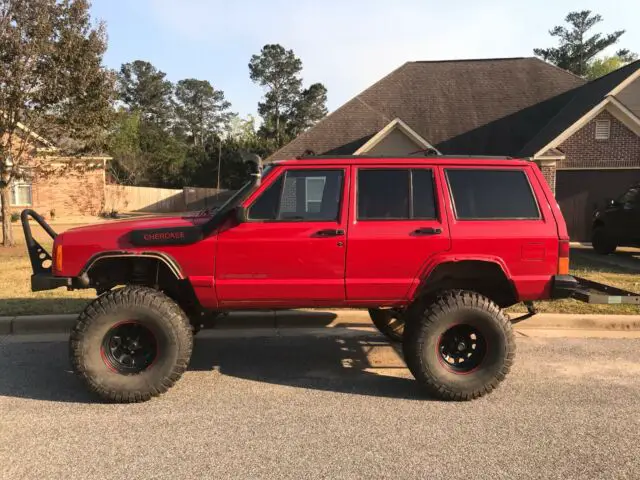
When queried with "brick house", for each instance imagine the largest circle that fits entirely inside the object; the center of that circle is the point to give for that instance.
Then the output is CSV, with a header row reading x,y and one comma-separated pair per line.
x,y
585,136
67,186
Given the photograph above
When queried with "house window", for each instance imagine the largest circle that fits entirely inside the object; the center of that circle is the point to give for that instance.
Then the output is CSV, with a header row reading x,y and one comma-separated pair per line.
x,y
20,194
313,193
603,129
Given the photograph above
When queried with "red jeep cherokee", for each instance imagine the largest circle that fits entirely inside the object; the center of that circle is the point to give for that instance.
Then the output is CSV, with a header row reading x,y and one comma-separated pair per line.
x,y
435,248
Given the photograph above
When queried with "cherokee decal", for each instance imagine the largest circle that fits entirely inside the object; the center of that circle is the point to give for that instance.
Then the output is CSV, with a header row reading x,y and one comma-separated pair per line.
x,y
166,236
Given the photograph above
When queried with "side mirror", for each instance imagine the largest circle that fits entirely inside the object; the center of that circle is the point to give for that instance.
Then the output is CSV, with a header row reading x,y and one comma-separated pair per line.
x,y
241,214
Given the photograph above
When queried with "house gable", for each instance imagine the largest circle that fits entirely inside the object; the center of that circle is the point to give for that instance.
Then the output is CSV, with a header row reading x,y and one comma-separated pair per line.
x,y
630,96
397,138
609,104
587,102
583,151
394,143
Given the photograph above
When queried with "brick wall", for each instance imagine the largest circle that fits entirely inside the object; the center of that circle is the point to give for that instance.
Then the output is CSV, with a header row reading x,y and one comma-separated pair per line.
x,y
549,173
582,150
71,194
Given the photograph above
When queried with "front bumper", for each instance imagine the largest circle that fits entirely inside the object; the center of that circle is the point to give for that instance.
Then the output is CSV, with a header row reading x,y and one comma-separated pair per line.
x,y
42,278
47,281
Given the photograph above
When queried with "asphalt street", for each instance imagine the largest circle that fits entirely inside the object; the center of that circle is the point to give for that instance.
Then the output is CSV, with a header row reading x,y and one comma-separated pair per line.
x,y
325,407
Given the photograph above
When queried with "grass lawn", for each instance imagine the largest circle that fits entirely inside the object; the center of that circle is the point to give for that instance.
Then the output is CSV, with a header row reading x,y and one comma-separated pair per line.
x,y
16,297
586,264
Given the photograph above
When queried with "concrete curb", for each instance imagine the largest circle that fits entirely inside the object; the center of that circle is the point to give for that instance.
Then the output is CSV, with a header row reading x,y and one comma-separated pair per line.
x,y
35,324
5,325
323,319
582,322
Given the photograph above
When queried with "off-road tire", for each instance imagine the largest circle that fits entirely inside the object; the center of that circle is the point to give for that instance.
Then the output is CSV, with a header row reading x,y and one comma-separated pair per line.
x,y
389,322
154,311
426,325
602,242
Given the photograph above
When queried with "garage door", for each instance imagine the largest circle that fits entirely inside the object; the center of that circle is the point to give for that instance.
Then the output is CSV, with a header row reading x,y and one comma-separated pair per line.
x,y
580,192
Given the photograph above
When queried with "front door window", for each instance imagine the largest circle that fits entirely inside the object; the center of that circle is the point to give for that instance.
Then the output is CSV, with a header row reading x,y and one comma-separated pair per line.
x,y
300,195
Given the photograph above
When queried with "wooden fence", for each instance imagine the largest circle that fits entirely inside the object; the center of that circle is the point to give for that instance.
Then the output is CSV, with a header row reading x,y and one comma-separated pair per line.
x,y
121,198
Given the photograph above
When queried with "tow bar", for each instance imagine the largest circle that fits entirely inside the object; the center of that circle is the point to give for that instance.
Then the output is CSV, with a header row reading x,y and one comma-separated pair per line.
x,y
598,293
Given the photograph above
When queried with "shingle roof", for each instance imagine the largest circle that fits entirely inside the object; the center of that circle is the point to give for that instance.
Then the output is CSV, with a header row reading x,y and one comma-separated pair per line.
x,y
490,107
583,100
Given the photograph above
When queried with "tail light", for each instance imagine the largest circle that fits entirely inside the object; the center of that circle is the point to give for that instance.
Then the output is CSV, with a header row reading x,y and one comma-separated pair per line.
x,y
563,257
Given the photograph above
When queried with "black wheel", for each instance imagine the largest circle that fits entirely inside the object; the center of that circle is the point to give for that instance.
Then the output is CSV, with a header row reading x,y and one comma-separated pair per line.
x,y
459,347
389,322
602,242
131,344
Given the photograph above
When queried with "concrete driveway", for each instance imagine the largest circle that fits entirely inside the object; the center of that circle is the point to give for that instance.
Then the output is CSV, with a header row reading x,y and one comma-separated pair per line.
x,y
325,407
625,258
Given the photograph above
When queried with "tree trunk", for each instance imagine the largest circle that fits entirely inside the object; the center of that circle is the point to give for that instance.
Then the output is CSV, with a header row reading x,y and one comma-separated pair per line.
x,y
7,233
277,125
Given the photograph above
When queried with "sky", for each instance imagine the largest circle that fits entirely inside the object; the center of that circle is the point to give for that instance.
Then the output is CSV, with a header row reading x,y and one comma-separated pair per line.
x,y
345,44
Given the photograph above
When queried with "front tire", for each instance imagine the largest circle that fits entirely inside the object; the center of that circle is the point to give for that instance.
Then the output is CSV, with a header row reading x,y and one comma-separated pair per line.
x,y
131,344
602,242
460,347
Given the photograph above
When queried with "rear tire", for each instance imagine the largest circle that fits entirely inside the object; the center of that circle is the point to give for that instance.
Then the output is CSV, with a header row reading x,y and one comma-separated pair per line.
x,y
459,347
389,322
602,242
131,344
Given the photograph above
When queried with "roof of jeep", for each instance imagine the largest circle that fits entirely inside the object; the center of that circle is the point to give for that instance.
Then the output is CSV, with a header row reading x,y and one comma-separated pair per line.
x,y
450,160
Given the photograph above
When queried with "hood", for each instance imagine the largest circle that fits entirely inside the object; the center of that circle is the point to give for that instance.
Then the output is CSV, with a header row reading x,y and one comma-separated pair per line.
x,y
176,237
141,223
125,234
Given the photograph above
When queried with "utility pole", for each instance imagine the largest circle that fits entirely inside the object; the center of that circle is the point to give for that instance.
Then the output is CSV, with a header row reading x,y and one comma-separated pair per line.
x,y
219,162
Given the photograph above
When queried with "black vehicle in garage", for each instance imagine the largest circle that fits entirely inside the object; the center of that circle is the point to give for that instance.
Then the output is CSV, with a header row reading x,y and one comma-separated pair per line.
x,y
618,224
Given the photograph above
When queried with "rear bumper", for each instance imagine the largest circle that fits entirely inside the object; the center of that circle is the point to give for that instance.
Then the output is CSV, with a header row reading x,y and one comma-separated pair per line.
x,y
563,286
46,281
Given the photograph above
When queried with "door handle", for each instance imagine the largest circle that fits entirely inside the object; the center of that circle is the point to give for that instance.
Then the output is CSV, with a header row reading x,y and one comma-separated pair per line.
x,y
329,232
420,232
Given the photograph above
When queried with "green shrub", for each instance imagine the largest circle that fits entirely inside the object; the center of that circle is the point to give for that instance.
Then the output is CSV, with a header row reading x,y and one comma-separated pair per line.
x,y
15,217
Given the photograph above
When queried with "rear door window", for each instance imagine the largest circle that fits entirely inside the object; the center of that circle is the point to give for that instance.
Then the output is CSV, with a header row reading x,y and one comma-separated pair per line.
x,y
395,194
487,194
424,202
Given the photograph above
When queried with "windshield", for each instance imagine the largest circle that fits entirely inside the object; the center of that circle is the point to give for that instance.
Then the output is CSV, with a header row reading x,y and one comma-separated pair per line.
x,y
237,198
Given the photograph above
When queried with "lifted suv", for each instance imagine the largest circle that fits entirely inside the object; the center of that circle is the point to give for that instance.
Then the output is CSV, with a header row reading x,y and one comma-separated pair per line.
x,y
435,248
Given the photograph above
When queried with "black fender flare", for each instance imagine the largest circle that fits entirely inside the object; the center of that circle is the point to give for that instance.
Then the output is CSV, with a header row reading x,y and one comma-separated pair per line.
x,y
168,260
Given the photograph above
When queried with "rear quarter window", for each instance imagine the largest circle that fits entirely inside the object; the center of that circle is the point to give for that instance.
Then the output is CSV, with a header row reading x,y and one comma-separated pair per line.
x,y
486,194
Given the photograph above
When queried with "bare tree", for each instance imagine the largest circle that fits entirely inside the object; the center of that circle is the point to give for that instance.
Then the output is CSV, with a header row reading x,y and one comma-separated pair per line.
x,y
52,86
